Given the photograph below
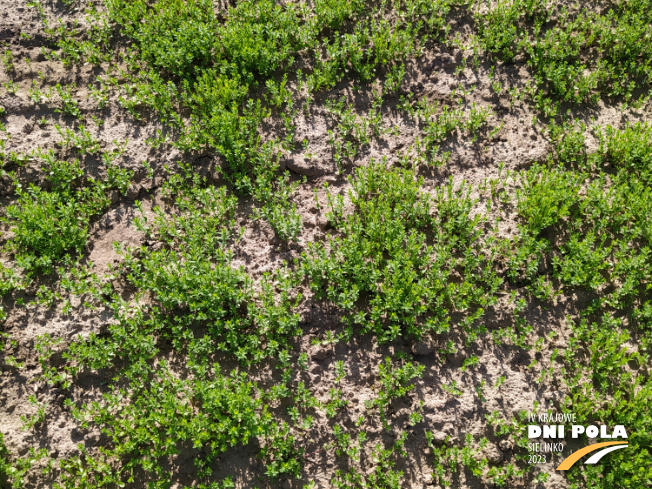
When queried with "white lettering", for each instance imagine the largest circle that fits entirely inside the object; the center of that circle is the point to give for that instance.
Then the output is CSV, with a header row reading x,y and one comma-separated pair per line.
x,y
603,432
619,431
592,431
577,430
533,431
549,431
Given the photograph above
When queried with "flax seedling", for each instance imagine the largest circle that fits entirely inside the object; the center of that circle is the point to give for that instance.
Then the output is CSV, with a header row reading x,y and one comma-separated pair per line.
x,y
395,382
469,362
69,105
452,388
11,87
337,401
38,418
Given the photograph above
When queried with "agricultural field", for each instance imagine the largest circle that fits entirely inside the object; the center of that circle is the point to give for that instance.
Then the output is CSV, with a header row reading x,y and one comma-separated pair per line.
x,y
323,244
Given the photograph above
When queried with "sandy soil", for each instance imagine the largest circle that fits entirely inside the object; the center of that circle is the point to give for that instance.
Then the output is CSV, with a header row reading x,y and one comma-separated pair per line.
x,y
517,145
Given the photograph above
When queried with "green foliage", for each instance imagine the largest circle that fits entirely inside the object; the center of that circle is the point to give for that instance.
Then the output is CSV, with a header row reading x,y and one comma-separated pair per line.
x,y
380,270
82,141
574,56
69,105
9,280
601,243
373,44
203,307
381,475
439,123
282,455
616,396
188,58
50,224
4,461
629,149
15,473
213,411
8,61
174,36
600,217
212,66
449,460
192,275
188,328
547,196
333,13
261,36
86,471
394,383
